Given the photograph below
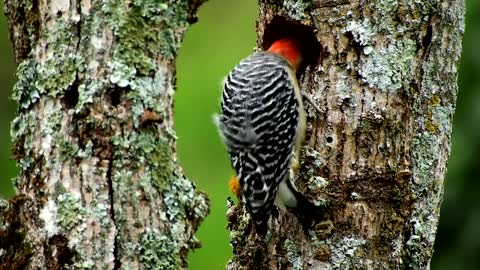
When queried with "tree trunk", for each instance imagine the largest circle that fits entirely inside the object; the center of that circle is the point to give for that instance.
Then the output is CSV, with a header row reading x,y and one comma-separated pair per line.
x,y
99,186
385,82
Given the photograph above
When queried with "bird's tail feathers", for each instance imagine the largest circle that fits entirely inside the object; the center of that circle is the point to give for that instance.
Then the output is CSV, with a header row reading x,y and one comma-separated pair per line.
x,y
306,211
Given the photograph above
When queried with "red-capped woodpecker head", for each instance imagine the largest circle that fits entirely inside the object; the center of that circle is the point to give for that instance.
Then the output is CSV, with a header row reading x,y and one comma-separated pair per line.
x,y
288,49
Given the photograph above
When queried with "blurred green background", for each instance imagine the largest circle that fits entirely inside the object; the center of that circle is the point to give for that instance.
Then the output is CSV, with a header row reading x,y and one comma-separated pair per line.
x,y
225,34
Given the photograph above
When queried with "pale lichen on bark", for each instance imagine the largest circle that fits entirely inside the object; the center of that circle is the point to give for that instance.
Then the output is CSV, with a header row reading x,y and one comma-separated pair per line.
x,y
99,187
377,154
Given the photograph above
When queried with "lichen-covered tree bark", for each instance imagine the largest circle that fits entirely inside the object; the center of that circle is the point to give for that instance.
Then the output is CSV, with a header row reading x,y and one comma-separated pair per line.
x,y
99,184
376,154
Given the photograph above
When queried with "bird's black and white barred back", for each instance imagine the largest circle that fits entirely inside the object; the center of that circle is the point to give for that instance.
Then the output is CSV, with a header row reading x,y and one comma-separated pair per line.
x,y
258,123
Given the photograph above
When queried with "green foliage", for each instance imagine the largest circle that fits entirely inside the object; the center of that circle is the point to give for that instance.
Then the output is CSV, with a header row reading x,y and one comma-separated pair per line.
x,y
224,34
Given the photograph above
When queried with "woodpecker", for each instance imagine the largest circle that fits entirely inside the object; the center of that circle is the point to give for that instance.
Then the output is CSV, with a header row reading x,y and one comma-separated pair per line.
x,y
262,124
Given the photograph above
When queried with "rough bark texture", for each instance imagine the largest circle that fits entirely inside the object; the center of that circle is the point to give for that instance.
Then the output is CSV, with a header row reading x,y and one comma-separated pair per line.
x,y
99,187
377,154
